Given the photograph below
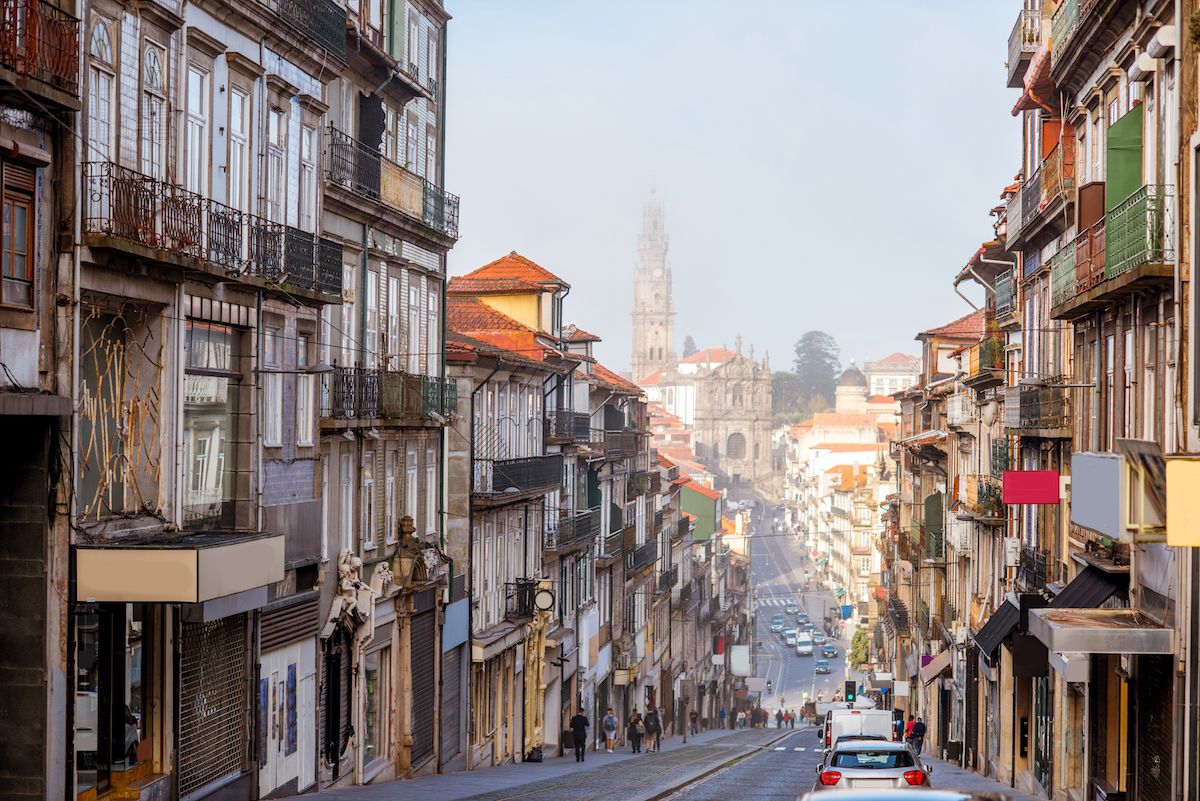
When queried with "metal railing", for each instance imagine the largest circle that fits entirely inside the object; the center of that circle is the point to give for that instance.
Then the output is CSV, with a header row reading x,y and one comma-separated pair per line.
x,y
1058,170
668,578
614,544
960,409
1140,230
982,496
1013,217
1063,25
935,544
642,557
1026,37
364,393
1005,293
1045,408
1031,196
1062,274
40,41
560,425
1037,568
364,170
520,475
570,530
125,204
1002,456
923,617
323,21
518,599
987,356
1079,265
682,528
583,427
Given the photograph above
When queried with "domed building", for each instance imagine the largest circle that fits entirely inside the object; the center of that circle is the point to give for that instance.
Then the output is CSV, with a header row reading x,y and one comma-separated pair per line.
x,y
852,391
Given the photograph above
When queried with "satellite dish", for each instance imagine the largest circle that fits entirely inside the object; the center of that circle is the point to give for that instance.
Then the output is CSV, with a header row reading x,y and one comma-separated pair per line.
x,y
989,412
543,600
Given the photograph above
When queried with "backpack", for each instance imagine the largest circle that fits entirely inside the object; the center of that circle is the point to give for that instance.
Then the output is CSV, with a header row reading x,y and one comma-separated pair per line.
x,y
610,723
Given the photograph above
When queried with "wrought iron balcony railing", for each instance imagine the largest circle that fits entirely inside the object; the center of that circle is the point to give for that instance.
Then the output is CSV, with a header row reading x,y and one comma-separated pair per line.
x,y
1140,230
1036,568
365,171
518,599
570,530
1001,457
560,425
960,409
1063,25
1062,274
323,21
363,393
126,204
982,496
668,578
642,557
1023,42
1005,293
519,475
40,41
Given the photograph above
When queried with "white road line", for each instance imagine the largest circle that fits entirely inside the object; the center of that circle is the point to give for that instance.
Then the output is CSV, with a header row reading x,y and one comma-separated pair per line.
x,y
781,748
799,749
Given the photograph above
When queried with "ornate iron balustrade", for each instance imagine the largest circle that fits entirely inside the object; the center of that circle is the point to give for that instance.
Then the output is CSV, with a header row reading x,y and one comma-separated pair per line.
x,y
1045,408
1001,457
353,393
560,425
329,267
518,599
1140,230
364,170
40,41
668,578
438,395
1005,294
300,257
1062,274
1031,196
364,393
570,530
1063,25
323,21
1026,38
521,475
642,557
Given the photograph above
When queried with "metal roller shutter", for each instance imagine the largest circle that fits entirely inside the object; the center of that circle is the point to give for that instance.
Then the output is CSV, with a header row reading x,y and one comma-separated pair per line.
x,y
451,711
1154,695
287,625
422,641
971,747
212,708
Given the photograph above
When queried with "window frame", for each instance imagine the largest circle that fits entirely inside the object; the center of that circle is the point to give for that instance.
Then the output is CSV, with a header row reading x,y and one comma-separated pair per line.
x,y
196,129
12,198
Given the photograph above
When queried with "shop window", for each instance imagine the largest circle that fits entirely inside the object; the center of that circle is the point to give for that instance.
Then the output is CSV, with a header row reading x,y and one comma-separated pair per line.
x,y
379,705
338,692
110,725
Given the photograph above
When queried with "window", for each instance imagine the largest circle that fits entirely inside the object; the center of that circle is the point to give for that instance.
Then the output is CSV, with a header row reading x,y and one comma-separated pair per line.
x,y
864,565
389,510
431,492
100,83
737,399
388,146
212,386
735,448
410,485
368,500
393,322
197,130
308,186
306,388
431,57
347,501
239,149
431,170
154,120
413,43
379,704
347,331
411,145
432,347
276,144
414,323
16,235
372,318
272,425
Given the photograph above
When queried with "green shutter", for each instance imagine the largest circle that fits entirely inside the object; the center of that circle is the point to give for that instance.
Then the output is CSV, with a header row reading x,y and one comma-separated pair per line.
x,y
395,43
594,497
933,514
1123,170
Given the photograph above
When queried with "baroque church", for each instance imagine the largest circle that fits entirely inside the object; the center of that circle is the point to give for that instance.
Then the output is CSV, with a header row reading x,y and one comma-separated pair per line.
x,y
723,395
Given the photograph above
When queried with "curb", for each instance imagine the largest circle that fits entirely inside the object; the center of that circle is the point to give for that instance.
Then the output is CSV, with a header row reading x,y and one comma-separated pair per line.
x,y
704,773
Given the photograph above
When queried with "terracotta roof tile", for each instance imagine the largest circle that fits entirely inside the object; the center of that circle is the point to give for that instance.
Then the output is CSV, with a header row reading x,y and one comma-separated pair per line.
x,y
900,357
484,286
573,333
603,374
470,315
881,399
515,266
714,355
651,379
972,325
703,490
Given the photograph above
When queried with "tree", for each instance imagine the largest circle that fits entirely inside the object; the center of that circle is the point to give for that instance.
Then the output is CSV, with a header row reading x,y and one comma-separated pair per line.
x,y
689,346
817,364
858,648
787,394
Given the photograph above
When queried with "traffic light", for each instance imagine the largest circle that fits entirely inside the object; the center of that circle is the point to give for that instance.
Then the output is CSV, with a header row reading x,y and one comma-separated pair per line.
x,y
848,692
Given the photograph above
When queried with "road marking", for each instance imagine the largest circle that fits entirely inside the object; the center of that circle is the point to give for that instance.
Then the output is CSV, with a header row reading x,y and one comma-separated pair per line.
x,y
781,748
799,749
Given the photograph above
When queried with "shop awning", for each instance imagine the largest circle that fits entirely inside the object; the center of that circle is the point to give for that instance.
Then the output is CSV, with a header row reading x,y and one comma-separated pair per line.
x,y
838,592
191,567
1090,589
936,666
924,438
997,627
1099,631
822,562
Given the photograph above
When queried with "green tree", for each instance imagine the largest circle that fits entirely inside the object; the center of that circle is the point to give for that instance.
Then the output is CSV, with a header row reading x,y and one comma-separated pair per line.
x,y
787,394
689,346
817,364
858,648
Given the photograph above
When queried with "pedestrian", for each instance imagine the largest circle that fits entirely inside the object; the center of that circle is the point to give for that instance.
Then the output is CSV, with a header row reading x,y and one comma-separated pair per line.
x,y
918,733
792,722
579,727
653,731
779,719
900,727
908,728
693,717
637,730
722,717
741,719
611,724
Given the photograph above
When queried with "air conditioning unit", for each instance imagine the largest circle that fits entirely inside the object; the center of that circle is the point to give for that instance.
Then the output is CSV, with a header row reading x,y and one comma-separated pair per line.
x,y
960,634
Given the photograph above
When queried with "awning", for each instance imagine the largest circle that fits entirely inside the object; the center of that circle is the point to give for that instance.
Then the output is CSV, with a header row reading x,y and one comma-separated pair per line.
x,y
838,592
1099,631
1039,88
924,438
822,562
997,627
191,567
1090,589
937,666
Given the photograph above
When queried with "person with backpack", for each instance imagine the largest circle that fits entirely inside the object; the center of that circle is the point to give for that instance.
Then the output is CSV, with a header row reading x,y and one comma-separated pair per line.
x,y
637,730
609,724
653,731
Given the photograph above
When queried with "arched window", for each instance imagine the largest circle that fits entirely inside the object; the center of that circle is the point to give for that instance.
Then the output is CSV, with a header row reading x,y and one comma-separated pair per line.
x,y
737,395
101,44
735,446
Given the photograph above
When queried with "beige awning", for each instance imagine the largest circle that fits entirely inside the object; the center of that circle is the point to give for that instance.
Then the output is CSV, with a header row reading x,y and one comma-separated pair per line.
x,y
184,568
936,666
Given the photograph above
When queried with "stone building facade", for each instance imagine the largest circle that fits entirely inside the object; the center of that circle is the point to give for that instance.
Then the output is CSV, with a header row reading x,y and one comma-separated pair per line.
x,y
653,310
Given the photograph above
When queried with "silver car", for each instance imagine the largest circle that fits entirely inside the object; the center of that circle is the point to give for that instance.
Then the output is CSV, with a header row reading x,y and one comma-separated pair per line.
x,y
857,765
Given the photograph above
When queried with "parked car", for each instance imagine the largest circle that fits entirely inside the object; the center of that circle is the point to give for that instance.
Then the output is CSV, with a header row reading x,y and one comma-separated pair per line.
x,y
777,622
874,765
822,666
789,637
791,608
830,650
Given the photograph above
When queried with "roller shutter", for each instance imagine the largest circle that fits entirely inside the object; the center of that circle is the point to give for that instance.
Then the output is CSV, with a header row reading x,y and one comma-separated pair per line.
x,y
285,626
422,642
451,695
212,705
1154,697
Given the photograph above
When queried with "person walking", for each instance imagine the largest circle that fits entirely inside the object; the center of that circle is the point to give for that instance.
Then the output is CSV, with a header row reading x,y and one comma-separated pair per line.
x,y
653,731
637,730
579,727
918,735
792,722
610,725
908,727
693,717
723,717
741,719
779,718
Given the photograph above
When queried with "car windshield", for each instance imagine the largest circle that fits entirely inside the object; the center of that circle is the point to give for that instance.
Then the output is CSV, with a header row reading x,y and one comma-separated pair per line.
x,y
821,663
865,759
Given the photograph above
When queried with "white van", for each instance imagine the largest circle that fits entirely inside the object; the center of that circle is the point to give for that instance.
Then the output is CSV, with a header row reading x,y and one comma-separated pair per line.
x,y
840,722
804,645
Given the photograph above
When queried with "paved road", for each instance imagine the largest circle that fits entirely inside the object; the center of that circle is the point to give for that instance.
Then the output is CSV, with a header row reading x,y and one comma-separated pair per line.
x,y
781,772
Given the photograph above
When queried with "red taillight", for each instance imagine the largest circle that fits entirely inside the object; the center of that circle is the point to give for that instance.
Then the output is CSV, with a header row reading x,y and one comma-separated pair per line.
x,y
827,736
830,777
914,777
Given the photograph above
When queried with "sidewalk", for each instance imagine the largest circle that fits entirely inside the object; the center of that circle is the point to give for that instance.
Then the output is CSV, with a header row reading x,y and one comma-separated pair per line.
x,y
948,776
619,775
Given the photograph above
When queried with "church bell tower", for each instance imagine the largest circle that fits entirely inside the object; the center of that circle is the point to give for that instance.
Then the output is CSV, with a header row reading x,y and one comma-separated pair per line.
x,y
653,311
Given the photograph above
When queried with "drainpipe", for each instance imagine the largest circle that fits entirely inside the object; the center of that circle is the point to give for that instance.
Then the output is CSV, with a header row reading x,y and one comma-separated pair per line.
x,y
1094,439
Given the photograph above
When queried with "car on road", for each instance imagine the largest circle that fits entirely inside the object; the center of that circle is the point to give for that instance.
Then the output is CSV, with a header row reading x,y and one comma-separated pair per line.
x,y
802,617
818,637
871,765
791,608
789,637
830,650
822,666
810,628
804,646
777,622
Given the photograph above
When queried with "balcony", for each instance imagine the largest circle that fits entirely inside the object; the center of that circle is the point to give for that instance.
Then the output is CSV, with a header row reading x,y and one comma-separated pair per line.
x,y
367,394
642,557
636,485
668,578
152,219
1063,25
365,172
1013,220
1132,249
560,426
39,42
569,531
518,599
1031,198
620,443
960,410
986,366
1037,568
1044,412
614,545
1023,42
981,498
322,21
1058,172
1001,458
1006,308
530,474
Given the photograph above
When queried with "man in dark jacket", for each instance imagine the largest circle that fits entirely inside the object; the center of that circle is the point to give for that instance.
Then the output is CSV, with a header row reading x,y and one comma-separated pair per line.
x,y
653,731
918,735
579,727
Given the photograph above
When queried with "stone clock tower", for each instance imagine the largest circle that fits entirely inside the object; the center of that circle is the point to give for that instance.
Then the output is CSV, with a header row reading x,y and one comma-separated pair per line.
x,y
653,311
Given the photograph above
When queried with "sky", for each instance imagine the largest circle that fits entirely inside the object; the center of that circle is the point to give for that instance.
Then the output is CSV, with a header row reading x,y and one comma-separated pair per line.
x,y
823,166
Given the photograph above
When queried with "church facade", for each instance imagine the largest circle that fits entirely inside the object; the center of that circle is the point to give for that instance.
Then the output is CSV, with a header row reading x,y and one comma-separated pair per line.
x,y
724,396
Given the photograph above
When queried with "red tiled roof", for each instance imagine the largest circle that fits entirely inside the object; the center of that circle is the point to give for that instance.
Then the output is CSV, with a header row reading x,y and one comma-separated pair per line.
x,y
969,326
881,399
703,490
714,355
574,333
900,357
462,344
471,315
515,266
651,379
484,286
606,376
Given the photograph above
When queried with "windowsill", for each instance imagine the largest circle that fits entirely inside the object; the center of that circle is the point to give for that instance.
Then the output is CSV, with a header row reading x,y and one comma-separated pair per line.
x,y
374,768
372,547
19,317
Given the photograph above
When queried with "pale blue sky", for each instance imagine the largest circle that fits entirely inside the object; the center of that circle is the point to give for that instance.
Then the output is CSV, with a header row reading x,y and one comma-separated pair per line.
x,y
823,165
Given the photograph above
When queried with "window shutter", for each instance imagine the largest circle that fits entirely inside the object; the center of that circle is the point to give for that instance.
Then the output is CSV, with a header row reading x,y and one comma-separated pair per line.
x,y
19,177
1123,171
